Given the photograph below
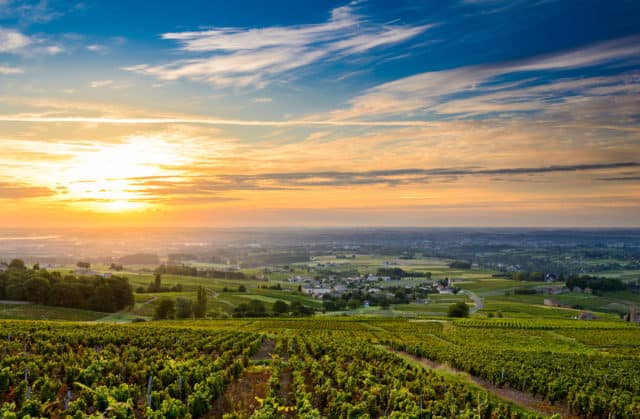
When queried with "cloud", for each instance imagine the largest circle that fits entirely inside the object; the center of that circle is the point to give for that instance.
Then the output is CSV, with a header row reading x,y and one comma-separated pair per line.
x,y
242,57
100,83
100,49
620,179
261,100
12,41
20,191
15,42
198,185
30,11
424,92
36,118
6,70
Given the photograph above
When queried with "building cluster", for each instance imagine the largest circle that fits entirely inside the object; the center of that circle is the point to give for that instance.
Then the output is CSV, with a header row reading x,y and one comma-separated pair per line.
x,y
336,286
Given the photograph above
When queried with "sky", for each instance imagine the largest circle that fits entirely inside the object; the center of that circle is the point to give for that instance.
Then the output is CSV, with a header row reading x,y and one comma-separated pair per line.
x,y
320,113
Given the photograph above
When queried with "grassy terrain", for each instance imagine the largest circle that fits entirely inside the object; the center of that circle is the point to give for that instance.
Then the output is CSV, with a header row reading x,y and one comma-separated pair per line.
x,y
40,312
496,293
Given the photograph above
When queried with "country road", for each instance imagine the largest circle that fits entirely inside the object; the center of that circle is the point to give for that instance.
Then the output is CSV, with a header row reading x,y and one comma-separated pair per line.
x,y
477,300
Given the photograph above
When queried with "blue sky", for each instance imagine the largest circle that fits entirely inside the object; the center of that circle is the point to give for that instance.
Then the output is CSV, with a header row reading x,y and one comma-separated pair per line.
x,y
437,91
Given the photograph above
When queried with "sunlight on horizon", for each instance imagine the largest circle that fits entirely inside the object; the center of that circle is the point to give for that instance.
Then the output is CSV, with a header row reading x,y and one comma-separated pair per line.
x,y
108,179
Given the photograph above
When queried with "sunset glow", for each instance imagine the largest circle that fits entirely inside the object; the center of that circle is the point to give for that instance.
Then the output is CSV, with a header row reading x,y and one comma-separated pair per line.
x,y
345,114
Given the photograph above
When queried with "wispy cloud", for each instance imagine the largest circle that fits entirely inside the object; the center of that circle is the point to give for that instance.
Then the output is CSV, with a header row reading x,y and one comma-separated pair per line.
x,y
100,83
35,118
15,42
433,91
100,49
403,176
254,57
30,11
6,70
19,191
261,100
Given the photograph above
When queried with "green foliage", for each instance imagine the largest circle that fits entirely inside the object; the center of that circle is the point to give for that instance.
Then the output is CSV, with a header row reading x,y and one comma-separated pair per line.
x,y
17,264
460,264
595,283
254,308
166,309
280,307
459,309
184,308
50,288
200,308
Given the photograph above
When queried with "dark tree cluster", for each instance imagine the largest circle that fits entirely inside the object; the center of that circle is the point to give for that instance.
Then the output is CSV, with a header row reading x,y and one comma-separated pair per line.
x,y
256,308
596,283
184,270
529,276
156,286
354,299
182,307
460,264
458,310
51,288
399,273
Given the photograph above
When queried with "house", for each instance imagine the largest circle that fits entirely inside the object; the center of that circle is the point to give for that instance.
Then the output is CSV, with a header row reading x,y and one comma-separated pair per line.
x,y
299,279
550,302
339,288
444,290
550,277
374,278
107,275
632,316
586,315
316,292
555,290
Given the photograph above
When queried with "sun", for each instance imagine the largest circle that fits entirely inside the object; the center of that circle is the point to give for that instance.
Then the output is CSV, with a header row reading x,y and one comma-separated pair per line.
x,y
114,177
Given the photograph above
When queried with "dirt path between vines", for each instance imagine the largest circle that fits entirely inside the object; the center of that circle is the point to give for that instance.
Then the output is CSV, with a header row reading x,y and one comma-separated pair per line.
x,y
265,351
525,400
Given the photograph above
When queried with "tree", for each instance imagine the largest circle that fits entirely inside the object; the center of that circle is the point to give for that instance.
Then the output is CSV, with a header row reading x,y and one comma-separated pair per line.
x,y
200,309
184,308
280,307
37,289
166,309
460,309
17,264
157,282
299,309
242,288
253,308
354,303
84,265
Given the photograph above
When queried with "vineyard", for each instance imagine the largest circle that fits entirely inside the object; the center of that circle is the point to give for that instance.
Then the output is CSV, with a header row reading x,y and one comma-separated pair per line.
x,y
333,368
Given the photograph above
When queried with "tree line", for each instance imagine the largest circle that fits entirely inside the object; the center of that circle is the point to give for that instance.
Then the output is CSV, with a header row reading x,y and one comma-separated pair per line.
x,y
399,273
182,307
40,286
184,270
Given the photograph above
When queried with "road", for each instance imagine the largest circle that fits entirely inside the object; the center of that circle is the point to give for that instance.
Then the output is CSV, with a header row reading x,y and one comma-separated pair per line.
x,y
477,300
